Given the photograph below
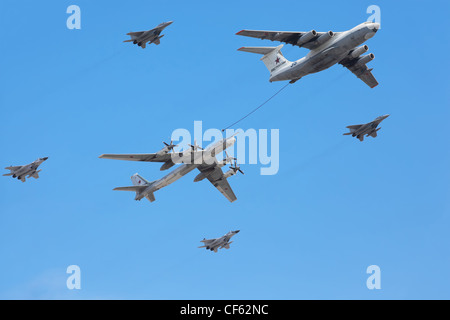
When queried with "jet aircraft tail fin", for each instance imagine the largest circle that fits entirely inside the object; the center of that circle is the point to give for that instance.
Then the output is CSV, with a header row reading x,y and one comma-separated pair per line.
x,y
272,56
35,175
138,180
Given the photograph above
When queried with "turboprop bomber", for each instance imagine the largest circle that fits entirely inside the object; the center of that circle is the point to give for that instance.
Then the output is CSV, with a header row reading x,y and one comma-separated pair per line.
x,y
196,157
30,170
141,38
326,50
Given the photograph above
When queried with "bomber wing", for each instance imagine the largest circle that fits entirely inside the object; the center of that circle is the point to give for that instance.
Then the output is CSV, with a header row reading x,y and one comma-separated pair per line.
x,y
216,177
151,157
289,37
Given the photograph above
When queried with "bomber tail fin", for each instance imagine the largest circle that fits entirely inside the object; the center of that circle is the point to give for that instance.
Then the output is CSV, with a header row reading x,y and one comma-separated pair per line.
x,y
272,56
139,185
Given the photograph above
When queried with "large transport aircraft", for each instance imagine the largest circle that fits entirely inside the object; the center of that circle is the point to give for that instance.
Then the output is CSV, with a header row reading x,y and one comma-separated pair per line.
x,y
327,49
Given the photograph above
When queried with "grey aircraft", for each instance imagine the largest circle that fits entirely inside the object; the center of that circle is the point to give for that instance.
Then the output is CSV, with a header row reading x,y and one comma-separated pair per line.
x,y
326,50
368,129
204,160
141,38
219,243
30,170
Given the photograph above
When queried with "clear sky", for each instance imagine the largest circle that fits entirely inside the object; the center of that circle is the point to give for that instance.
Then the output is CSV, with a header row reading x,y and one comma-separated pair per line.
x,y
335,207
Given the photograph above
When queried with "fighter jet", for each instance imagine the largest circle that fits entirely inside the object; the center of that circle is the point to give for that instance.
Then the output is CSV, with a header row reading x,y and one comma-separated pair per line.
x,y
327,49
30,170
204,160
141,38
368,129
219,243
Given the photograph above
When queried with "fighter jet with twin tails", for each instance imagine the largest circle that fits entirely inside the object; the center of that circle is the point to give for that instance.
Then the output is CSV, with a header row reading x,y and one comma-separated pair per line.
x,y
141,38
326,50
26,171
368,129
219,243
195,158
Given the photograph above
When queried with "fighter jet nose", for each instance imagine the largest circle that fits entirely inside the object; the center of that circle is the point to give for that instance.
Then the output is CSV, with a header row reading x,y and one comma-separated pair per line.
x,y
45,158
237,231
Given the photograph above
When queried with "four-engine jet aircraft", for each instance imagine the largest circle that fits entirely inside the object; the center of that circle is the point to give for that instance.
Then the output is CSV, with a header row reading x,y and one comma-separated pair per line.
x,y
141,38
327,49
30,170
204,160
368,129
219,243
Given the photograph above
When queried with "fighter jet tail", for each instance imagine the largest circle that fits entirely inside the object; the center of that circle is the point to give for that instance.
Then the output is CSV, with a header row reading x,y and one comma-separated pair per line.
x,y
273,58
35,175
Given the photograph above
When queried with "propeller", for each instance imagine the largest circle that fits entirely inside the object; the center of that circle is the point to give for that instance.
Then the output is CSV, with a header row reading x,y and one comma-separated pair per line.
x,y
195,146
170,146
236,168
228,158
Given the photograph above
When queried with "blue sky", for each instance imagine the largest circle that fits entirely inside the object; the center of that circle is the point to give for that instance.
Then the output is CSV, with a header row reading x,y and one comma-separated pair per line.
x,y
335,207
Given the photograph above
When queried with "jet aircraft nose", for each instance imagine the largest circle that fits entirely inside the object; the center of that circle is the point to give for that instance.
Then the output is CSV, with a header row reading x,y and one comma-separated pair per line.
x,y
375,27
45,158
237,231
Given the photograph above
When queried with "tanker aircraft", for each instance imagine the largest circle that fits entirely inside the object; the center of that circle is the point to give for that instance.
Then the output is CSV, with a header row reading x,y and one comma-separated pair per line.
x,y
327,49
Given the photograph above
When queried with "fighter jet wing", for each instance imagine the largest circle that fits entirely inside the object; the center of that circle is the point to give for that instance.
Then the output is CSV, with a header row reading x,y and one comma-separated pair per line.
x,y
221,183
13,168
206,241
136,34
361,71
289,37
356,126
147,157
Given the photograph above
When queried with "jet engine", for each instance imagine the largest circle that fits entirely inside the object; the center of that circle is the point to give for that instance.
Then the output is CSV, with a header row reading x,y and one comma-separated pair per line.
x,y
365,59
325,37
306,37
359,51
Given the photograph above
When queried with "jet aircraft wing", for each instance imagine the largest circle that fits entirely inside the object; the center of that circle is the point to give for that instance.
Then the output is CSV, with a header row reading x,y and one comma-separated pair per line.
x,y
361,71
289,37
13,168
136,34
221,183
356,126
